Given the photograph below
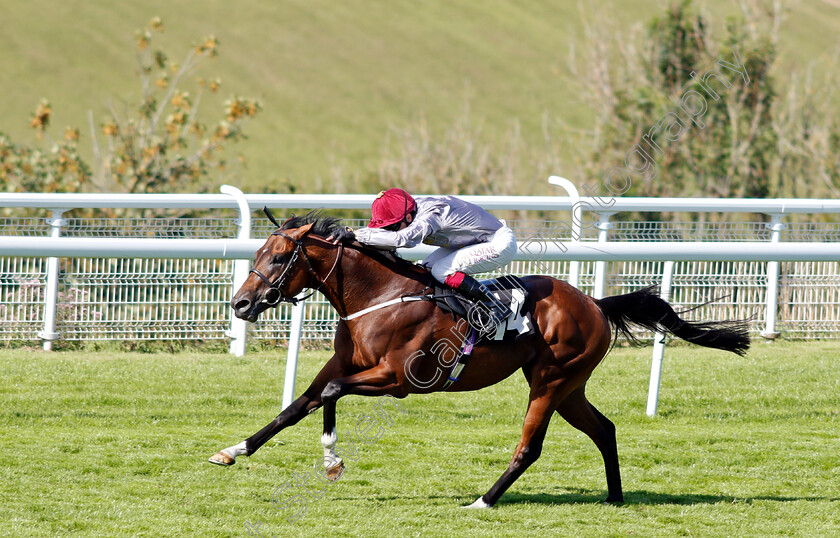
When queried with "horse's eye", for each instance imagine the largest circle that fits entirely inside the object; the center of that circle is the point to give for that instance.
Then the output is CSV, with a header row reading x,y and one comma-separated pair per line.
x,y
278,259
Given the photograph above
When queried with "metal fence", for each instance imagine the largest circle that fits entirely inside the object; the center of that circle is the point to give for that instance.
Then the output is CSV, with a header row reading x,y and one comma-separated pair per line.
x,y
186,299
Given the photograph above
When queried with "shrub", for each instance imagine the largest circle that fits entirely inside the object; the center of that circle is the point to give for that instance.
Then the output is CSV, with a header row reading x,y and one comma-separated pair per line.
x,y
157,145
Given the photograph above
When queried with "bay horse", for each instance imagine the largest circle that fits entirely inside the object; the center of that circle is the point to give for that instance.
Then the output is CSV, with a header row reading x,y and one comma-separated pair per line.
x,y
376,353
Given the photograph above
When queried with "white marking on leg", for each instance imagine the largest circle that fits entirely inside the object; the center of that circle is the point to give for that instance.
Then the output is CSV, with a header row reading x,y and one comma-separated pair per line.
x,y
329,440
236,450
479,504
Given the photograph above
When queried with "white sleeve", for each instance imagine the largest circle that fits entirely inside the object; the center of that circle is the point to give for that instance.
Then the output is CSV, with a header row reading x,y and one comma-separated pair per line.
x,y
421,227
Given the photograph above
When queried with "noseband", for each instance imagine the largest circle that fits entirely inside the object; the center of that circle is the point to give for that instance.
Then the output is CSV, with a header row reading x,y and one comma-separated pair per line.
x,y
274,296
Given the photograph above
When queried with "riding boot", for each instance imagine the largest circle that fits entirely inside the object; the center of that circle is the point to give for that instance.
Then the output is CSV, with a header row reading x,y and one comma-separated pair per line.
x,y
489,312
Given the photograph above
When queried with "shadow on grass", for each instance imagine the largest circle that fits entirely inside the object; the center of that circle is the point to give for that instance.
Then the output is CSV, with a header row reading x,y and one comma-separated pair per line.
x,y
642,497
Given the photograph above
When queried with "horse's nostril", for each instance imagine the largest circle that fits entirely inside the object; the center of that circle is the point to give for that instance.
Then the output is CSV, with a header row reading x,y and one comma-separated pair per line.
x,y
242,305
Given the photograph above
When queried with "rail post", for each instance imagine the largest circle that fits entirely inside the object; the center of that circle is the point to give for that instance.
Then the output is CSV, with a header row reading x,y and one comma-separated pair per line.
x,y
239,327
294,348
577,222
49,335
772,295
604,226
659,344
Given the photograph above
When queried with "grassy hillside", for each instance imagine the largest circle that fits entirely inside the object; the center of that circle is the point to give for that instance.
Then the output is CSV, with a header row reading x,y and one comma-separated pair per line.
x,y
335,76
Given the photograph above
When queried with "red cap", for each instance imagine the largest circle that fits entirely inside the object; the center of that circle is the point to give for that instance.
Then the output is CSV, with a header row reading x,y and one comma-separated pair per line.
x,y
390,207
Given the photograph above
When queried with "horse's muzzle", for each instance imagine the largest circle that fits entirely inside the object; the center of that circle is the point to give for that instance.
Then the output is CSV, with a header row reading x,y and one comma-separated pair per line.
x,y
244,308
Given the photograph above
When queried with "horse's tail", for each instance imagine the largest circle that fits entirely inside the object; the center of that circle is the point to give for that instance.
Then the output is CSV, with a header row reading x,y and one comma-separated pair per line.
x,y
644,307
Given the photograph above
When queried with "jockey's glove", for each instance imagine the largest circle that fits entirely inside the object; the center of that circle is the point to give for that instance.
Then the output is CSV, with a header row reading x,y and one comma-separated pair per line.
x,y
343,234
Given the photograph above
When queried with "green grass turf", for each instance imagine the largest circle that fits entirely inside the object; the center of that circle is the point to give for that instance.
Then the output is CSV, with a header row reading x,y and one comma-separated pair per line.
x,y
115,444
334,76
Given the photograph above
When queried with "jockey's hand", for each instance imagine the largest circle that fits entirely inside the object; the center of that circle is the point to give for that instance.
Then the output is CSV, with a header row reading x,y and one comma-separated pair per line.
x,y
341,235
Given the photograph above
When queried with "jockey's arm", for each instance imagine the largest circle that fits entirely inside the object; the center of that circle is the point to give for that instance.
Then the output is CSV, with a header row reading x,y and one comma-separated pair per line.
x,y
424,225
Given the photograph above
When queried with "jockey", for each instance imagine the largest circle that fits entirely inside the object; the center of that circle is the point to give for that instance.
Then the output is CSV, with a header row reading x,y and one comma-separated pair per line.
x,y
471,241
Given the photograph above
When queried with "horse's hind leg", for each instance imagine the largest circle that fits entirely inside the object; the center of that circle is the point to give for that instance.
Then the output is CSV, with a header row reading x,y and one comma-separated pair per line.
x,y
581,414
543,402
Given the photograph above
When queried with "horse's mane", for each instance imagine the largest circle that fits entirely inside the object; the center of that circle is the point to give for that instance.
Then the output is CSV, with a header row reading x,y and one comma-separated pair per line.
x,y
324,226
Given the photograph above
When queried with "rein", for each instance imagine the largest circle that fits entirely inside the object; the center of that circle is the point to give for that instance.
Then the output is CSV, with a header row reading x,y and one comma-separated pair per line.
x,y
274,296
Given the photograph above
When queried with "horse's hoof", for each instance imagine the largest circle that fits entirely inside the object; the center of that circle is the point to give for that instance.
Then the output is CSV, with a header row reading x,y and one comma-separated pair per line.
x,y
335,472
615,501
222,458
479,503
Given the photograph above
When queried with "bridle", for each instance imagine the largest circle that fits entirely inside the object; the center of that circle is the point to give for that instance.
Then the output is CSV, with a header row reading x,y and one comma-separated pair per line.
x,y
274,296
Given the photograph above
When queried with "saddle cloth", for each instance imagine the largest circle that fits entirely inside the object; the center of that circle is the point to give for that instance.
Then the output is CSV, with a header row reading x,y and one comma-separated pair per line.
x,y
508,289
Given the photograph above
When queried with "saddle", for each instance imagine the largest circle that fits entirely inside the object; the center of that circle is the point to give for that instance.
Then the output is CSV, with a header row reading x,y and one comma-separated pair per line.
x,y
509,290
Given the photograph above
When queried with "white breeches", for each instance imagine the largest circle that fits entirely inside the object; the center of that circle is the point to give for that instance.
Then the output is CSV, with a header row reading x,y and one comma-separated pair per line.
x,y
479,258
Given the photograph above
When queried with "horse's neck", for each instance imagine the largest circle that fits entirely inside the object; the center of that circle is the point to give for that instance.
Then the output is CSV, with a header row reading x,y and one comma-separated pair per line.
x,y
362,281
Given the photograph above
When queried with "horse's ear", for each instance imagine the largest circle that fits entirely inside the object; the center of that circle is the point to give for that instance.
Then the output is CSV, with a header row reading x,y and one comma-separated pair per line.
x,y
303,230
270,216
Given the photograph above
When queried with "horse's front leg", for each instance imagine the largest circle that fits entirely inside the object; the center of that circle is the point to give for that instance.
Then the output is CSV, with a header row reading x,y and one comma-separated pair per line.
x,y
289,417
308,402
333,464
376,381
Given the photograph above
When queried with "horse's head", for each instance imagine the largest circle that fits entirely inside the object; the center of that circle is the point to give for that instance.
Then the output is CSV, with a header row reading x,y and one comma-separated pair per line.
x,y
280,272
